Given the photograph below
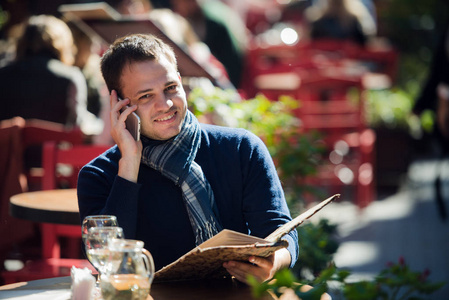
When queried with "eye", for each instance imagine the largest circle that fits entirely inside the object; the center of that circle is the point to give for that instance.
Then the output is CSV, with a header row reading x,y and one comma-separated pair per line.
x,y
145,97
172,88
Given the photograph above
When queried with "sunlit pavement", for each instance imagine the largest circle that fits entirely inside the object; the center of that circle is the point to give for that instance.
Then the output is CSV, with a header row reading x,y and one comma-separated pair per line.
x,y
405,224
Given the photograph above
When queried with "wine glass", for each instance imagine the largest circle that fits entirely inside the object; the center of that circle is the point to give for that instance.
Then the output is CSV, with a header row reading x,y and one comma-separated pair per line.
x,y
97,221
97,245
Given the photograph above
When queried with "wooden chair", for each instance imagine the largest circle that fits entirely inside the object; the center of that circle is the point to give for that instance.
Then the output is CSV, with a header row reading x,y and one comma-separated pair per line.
x,y
322,76
305,59
335,107
34,134
61,167
54,157
13,231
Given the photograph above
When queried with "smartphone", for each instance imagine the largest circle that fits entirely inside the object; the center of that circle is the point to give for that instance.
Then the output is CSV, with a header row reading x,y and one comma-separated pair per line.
x,y
132,123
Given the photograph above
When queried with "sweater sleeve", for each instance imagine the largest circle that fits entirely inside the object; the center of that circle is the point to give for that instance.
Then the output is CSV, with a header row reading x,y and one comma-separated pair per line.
x,y
101,191
264,204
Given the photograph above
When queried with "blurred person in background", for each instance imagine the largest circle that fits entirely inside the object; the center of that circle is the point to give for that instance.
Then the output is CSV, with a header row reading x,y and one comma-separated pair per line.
x,y
347,20
434,97
15,13
87,59
180,31
372,10
42,83
220,28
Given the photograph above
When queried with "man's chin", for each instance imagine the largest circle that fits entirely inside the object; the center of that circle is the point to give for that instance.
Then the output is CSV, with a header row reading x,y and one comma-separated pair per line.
x,y
162,135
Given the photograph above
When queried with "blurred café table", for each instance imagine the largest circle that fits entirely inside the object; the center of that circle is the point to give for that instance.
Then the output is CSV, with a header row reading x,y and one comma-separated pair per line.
x,y
49,206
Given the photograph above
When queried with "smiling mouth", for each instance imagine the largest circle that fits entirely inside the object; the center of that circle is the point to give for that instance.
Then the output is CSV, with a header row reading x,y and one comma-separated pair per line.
x,y
166,118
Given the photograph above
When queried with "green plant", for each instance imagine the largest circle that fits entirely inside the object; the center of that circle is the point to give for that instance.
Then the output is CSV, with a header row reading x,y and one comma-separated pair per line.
x,y
283,280
391,109
295,154
318,245
395,282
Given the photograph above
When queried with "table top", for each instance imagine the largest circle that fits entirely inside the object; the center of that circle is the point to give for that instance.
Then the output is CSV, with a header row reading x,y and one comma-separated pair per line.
x,y
50,206
59,288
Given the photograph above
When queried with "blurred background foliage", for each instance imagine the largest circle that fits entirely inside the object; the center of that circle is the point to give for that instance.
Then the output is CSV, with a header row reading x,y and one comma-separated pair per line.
x,y
318,244
296,156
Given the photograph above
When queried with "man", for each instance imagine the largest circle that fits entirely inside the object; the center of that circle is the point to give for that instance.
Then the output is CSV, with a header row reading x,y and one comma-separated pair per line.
x,y
184,181
434,97
221,29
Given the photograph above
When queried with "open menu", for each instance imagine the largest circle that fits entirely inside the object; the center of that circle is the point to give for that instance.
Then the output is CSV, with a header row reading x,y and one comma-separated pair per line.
x,y
206,260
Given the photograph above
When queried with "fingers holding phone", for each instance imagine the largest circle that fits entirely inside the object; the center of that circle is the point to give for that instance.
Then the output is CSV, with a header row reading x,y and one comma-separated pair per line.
x,y
126,133
132,124
124,120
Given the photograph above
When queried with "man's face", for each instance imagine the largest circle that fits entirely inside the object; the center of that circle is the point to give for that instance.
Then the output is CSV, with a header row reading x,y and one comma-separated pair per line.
x,y
155,86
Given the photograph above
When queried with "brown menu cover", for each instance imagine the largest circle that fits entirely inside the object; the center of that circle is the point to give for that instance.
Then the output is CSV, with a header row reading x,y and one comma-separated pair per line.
x,y
206,260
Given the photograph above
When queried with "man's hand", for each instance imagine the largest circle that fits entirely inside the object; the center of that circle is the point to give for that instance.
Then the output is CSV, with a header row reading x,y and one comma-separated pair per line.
x,y
262,268
130,150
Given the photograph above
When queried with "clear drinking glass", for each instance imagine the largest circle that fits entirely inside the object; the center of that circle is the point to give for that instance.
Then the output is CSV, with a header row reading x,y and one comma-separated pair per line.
x,y
97,221
128,273
97,245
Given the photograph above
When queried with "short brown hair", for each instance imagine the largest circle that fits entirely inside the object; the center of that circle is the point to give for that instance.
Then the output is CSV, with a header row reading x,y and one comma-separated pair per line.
x,y
128,49
46,35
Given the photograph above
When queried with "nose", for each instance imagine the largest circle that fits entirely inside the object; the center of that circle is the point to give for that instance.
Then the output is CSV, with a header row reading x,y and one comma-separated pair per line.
x,y
163,102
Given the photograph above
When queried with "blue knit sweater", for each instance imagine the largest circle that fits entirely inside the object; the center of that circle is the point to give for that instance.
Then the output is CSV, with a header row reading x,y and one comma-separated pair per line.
x,y
239,169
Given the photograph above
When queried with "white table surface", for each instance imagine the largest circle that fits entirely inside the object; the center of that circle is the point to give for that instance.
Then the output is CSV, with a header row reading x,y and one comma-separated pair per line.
x,y
53,288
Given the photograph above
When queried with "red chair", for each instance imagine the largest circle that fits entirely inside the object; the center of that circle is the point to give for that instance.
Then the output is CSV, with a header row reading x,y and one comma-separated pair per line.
x,y
61,164
61,167
311,57
323,75
34,134
335,107
13,231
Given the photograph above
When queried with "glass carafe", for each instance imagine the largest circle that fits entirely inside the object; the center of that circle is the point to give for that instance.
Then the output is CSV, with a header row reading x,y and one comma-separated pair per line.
x,y
129,271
